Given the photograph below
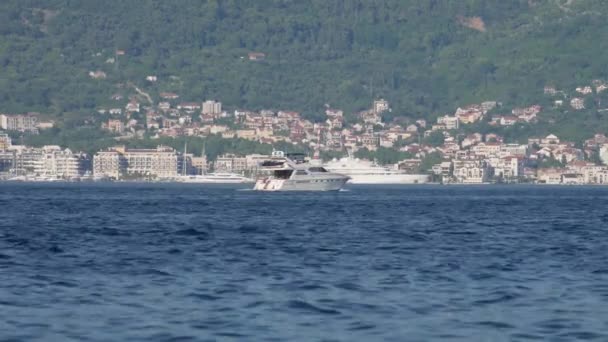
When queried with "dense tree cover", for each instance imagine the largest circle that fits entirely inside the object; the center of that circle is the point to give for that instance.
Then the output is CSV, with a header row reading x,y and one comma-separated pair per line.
x,y
417,54
429,161
85,139
435,139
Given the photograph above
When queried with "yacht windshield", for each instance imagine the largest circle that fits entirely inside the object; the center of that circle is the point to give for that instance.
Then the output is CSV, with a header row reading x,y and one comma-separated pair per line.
x,y
283,174
317,169
298,158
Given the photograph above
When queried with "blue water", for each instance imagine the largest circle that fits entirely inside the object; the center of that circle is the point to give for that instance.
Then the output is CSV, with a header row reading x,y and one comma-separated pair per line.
x,y
150,262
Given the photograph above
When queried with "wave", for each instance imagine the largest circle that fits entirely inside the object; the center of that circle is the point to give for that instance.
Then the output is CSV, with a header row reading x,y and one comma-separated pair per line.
x,y
301,305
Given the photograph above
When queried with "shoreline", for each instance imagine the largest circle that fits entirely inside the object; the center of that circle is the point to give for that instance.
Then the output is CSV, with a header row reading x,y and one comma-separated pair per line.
x,y
436,184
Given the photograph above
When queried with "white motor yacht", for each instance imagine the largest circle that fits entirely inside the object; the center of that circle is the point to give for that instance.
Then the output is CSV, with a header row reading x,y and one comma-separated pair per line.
x,y
291,172
367,172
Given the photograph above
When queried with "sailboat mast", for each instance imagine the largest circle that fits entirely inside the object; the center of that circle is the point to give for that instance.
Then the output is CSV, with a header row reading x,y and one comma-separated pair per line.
x,y
185,159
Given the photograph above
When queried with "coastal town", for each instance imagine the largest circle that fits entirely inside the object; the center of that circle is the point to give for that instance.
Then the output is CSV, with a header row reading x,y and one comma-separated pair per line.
x,y
443,149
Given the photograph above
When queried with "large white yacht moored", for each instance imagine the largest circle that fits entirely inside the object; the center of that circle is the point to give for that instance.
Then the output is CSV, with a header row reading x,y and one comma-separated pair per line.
x,y
368,172
291,172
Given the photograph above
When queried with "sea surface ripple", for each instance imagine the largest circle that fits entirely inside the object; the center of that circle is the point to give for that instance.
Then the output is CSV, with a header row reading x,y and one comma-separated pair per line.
x,y
158,262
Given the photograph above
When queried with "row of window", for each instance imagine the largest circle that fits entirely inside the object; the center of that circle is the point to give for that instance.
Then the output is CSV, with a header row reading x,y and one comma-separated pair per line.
x,y
320,181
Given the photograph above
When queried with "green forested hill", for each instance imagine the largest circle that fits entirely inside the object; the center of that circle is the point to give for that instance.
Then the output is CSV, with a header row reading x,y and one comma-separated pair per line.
x,y
420,55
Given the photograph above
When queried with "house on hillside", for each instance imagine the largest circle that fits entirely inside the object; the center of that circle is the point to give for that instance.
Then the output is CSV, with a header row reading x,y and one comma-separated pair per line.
x,y
97,75
508,120
132,106
577,103
168,96
550,90
189,106
584,90
256,56
550,139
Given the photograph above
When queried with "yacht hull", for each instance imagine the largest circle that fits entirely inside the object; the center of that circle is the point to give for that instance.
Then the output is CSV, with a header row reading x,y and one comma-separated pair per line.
x,y
330,184
214,179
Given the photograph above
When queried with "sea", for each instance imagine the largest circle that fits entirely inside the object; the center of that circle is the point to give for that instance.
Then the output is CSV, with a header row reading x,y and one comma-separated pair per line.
x,y
166,262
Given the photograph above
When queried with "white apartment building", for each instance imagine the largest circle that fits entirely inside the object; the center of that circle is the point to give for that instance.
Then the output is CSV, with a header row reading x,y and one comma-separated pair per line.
x,y
443,169
595,174
107,164
513,150
604,154
160,162
507,167
21,123
211,107
58,163
486,149
230,163
26,158
471,171
450,122
381,106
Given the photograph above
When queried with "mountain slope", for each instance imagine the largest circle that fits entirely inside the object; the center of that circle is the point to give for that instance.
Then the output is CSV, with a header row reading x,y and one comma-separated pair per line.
x,y
424,57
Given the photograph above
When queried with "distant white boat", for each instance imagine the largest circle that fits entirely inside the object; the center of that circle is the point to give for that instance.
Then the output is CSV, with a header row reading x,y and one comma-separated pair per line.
x,y
17,179
363,171
215,178
45,179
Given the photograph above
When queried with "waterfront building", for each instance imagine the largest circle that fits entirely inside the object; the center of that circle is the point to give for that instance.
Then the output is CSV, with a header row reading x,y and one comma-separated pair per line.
x,y
230,163
161,162
58,163
443,169
572,179
471,171
508,167
199,165
26,159
107,164
7,161
594,174
550,175
604,154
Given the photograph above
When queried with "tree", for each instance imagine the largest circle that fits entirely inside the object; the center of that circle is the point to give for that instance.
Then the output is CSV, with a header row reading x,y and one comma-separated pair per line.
x,y
435,139
430,160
